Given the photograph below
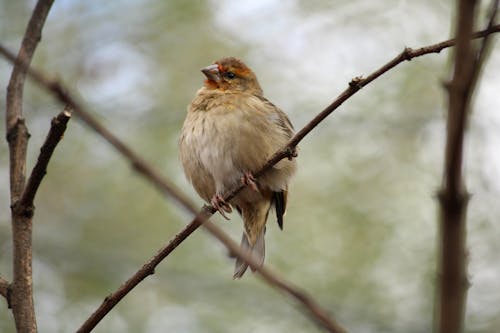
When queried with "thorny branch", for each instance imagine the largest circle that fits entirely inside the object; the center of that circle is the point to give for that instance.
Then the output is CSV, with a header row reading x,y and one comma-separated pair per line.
x,y
21,289
57,89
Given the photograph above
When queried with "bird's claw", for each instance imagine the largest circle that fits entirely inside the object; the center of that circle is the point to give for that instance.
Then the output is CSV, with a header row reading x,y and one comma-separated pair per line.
x,y
221,205
249,180
292,153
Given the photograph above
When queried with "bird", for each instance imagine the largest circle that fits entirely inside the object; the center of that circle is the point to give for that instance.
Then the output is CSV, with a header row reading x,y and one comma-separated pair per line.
x,y
230,131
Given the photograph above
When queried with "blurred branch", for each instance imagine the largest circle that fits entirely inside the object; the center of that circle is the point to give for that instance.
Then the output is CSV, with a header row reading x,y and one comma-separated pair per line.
x,y
453,196
21,296
481,54
138,163
143,168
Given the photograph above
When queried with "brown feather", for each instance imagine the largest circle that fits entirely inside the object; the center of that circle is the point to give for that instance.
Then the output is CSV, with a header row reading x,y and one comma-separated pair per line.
x,y
230,130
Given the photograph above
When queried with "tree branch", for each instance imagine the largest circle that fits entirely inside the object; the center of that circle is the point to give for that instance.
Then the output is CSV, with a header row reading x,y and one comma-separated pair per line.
x,y
57,89
21,297
354,86
17,134
316,312
56,132
453,196
55,135
147,269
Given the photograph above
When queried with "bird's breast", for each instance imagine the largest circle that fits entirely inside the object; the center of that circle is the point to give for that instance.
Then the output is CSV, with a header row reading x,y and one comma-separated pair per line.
x,y
213,140
230,135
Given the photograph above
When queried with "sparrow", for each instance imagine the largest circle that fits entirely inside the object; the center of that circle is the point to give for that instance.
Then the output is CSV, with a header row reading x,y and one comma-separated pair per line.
x,y
230,132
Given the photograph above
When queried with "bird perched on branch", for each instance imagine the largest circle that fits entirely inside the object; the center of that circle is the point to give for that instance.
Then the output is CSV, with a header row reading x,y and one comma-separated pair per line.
x,y
230,131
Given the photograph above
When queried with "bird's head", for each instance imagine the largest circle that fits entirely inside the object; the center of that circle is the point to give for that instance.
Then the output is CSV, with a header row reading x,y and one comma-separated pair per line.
x,y
231,74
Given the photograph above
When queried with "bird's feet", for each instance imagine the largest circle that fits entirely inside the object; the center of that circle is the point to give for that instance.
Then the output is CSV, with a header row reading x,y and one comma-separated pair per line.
x,y
292,153
249,180
221,205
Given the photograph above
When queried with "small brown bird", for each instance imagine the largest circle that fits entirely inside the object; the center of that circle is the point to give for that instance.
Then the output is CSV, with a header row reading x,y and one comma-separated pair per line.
x,y
230,131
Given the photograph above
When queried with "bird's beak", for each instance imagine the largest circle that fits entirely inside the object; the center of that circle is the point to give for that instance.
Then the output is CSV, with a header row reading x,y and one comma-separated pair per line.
x,y
212,72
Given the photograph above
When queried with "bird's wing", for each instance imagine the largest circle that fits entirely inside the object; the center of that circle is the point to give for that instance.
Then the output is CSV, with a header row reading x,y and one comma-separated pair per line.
x,y
278,117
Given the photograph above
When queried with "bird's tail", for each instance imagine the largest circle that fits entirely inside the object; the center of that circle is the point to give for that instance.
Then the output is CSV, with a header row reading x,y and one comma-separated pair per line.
x,y
258,251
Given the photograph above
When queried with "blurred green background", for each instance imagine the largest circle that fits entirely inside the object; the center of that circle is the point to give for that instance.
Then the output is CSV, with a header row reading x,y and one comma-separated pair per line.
x,y
360,232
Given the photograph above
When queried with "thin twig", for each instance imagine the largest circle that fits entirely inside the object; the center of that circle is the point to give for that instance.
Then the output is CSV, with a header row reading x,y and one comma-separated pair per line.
x,y
137,162
147,269
56,88
56,132
485,44
354,86
453,196
21,289
317,313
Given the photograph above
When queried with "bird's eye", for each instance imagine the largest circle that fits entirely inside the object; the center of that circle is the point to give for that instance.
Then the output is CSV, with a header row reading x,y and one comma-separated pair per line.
x,y
230,75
